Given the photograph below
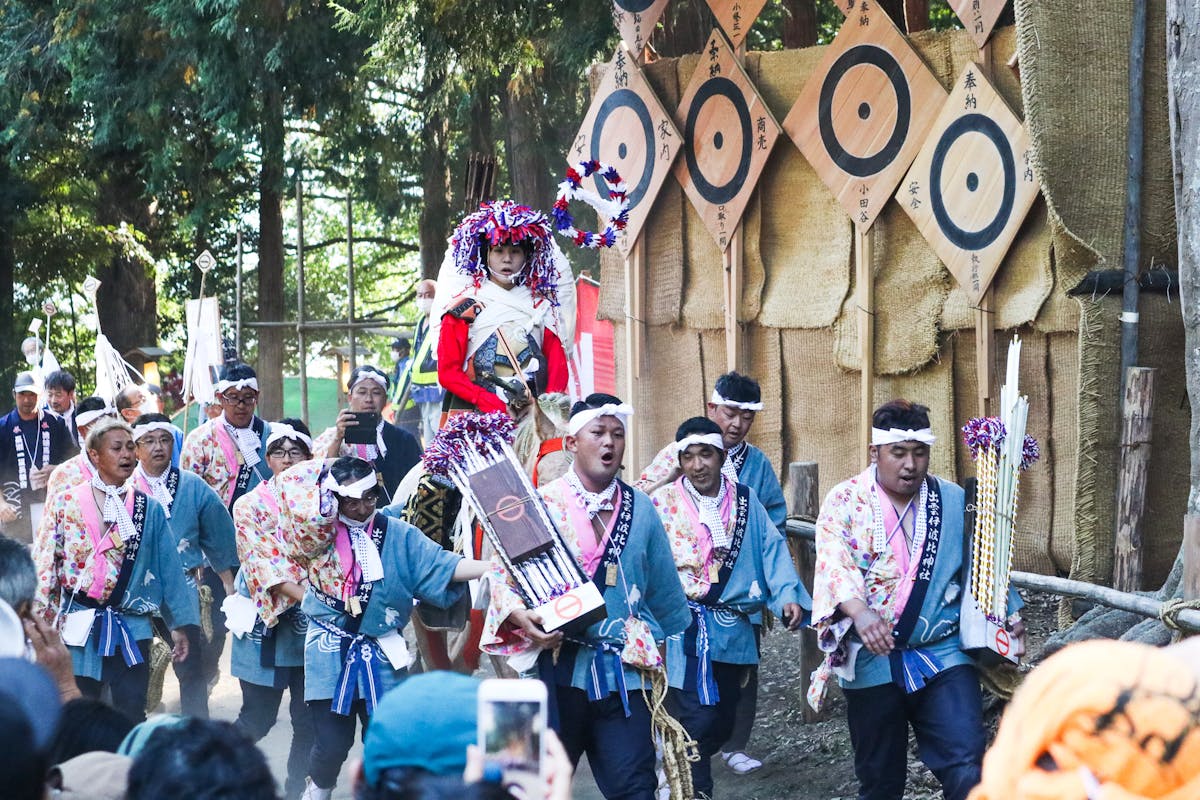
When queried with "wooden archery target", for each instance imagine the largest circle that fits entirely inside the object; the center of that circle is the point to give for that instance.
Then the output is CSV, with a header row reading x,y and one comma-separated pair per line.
x,y
628,128
635,19
973,182
978,17
736,16
863,114
728,133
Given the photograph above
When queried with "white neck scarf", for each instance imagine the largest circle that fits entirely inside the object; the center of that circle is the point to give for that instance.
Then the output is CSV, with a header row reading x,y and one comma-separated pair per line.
x,y
709,509
729,468
372,452
158,487
591,502
366,554
246,439
114,511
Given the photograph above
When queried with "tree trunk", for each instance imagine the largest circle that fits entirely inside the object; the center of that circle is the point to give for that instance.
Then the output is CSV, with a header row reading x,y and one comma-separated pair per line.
x,y
127,302
269,364
800,23
686,27
527,169
916,15
10,350
435,184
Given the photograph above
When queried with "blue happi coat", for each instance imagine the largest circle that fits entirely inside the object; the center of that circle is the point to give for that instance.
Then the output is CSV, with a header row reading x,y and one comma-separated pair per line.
x,y
757,473
201,525
246,656
413,567
763,576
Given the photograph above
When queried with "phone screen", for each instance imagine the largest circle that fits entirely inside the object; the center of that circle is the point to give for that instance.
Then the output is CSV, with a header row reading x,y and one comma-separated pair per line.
x,y
511,734
365,431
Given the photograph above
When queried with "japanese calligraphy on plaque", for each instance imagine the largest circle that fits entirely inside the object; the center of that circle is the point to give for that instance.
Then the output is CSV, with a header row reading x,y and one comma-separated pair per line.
x,y
972,183
864,113
628,128
728,133
736,16
635,19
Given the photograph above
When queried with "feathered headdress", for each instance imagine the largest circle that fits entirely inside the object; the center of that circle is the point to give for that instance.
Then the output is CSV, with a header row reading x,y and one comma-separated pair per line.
x,y
507,222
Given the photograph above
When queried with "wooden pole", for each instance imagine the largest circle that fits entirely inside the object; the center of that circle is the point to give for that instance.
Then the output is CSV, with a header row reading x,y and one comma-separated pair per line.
x,y
1191,556
803,480
1136,423
635,337
864,281
985,352
1147,606
732,258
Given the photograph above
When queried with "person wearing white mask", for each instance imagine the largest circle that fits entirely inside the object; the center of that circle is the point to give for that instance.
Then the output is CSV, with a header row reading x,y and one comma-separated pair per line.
x,y
425,390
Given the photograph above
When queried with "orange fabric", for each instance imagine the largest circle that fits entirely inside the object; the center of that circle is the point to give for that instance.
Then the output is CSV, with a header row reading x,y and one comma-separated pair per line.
x,y
1126,713
548,446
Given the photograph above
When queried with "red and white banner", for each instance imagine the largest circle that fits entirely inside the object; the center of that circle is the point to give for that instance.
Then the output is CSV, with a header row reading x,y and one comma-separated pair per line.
x,y
593,364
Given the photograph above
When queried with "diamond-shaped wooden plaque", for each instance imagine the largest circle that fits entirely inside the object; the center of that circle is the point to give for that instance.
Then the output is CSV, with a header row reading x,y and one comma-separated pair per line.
x,y
864,113
635,19
978,17
736,16
628,128
972,184
728,133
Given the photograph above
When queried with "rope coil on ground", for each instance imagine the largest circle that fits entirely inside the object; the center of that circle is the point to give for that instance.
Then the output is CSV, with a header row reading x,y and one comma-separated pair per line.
x,y
678,748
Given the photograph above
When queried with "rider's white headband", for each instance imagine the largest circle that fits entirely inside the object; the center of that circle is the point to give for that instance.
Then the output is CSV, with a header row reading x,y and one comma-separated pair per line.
x,y
88,417
370,375
282,431
141,430
713,439
221,387
355,490
717,400
622,412
893,435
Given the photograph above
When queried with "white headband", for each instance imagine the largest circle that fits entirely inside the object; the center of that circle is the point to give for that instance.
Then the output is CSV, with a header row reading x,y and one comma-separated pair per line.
x,y
713,439
221,387
622,412
281,431
88,417
141,430
717,400
355,490
370,375
893,435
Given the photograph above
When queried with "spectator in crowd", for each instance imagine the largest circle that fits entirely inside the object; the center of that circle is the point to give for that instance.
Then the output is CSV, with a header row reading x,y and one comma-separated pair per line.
x,y
60,397
98,775
129,402
32,442
18,576
88,726
200,760
29,712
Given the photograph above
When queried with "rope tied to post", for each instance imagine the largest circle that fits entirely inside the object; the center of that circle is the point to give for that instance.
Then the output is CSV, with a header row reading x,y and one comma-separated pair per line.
x,y
1169,612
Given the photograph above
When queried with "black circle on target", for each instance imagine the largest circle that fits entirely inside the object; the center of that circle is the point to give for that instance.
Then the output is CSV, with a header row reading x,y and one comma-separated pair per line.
x,y
625,98
634,6
859,55
963,239
722,87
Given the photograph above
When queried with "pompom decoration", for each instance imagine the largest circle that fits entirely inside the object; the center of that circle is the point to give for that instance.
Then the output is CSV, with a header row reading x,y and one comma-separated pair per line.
x,y
983,432
467,432
1030,452
507,222
616,208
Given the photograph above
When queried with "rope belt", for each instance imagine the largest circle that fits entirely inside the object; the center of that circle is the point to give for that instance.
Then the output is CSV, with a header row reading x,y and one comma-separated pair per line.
x,y
360,666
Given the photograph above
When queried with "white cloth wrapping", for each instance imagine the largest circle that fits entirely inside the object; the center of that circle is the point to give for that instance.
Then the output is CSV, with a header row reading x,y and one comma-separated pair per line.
x,y
366,554
246,439
114,511
280,430
591,502
83,418
158,487
709,509
622,412
355,490
729,468
880,436
717,400
370,375
141,430
220,387
711,439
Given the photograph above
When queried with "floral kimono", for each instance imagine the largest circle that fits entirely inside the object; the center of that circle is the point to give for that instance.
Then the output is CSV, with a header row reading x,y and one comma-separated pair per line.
x,y
76,469
212,453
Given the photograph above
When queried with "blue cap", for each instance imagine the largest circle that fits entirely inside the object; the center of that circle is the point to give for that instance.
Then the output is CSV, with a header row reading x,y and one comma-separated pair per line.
x,y
426,723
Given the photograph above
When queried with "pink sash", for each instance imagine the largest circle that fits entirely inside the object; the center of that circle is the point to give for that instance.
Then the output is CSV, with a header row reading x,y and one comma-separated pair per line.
x,y
345,553
704,546
893,529
101,541
591,551
230,451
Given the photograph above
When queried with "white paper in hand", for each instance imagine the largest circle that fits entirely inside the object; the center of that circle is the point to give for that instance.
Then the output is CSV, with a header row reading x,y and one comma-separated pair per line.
x,y
240,614
77,627
524,661
395,648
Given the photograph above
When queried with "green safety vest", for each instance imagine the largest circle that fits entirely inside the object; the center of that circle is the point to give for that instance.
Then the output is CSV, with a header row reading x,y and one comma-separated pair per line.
x,y
423,365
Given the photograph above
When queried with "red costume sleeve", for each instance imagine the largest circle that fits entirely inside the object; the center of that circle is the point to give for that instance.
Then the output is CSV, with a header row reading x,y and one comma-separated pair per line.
x,y
452,354
556,362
